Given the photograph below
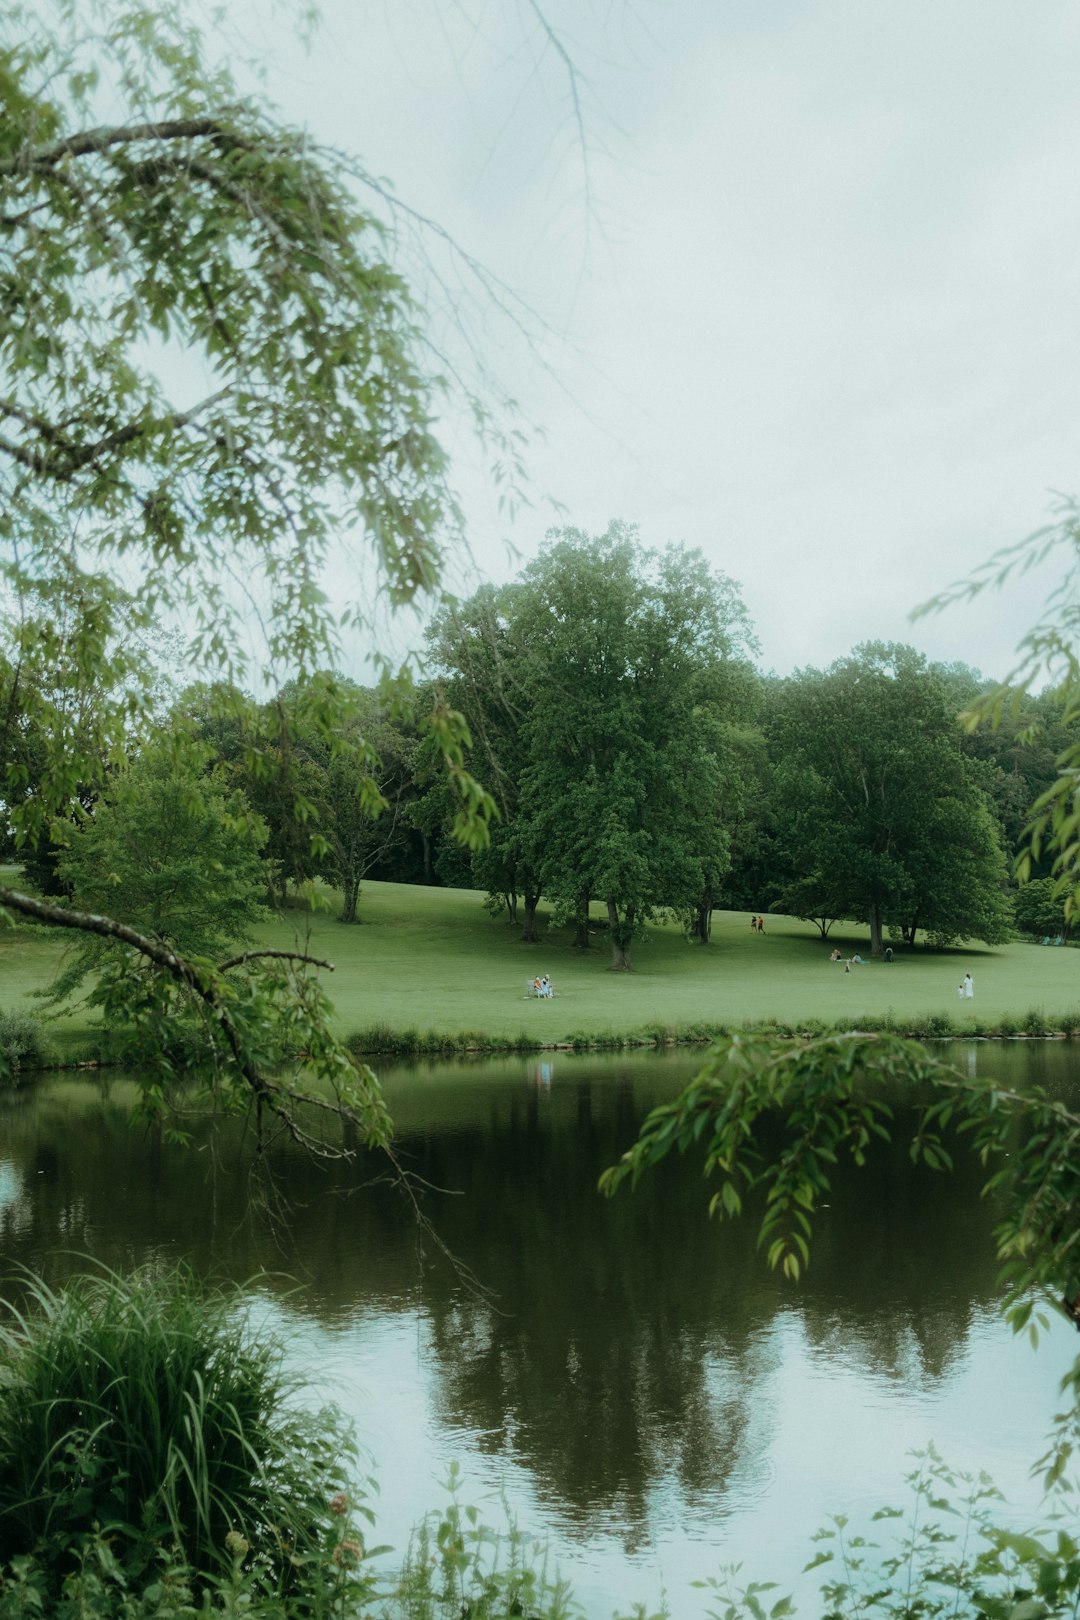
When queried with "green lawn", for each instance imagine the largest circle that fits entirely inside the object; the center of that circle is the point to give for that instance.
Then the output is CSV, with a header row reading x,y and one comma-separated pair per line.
x,y
432,959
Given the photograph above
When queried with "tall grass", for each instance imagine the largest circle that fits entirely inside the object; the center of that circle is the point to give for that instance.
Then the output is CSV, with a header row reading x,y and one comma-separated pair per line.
x,y
144,1407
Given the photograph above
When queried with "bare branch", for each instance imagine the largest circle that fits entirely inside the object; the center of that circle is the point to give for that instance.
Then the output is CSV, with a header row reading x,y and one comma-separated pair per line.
x,y
286,956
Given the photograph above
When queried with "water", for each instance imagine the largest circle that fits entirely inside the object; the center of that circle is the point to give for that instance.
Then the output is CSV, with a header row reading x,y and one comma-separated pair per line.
x,y
627,1375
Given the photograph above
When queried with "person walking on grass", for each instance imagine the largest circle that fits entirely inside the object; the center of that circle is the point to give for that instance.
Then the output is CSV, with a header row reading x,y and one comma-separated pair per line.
x,y
969,988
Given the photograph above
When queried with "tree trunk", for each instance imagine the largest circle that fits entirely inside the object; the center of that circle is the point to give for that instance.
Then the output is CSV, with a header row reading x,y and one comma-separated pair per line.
x,y
426,845
511,906
877,946
581,932
528,931
703,921
350,892
620,938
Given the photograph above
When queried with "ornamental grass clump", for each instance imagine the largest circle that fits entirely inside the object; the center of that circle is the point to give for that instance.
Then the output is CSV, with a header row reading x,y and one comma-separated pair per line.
x,y
146,1408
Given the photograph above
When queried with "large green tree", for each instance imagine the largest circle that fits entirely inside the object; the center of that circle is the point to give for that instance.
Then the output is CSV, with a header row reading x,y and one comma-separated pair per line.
x,y
884,819
624,656
179,845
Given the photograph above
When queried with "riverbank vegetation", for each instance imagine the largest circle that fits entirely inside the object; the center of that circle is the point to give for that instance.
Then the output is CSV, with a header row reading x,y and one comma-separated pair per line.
x,y
155,1462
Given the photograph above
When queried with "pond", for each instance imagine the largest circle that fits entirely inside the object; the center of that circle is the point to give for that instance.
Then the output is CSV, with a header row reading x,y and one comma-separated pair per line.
x,y
626,1375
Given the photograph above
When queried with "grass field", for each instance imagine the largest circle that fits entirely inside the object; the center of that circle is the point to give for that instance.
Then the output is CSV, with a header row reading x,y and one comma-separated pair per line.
x,y
432,959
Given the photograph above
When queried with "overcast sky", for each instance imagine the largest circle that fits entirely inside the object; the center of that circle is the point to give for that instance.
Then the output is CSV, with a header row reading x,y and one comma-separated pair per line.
x,y
812,269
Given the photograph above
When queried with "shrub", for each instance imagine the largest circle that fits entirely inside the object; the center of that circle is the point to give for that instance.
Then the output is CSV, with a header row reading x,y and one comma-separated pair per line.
x,y
22,1045
931,1026
146,1407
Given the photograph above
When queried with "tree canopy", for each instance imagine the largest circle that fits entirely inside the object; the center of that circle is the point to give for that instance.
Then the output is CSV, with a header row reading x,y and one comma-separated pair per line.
x,y
599,679
884,817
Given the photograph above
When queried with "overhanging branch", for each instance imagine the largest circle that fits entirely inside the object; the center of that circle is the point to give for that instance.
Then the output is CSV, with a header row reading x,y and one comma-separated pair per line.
x,y
87,141
191,977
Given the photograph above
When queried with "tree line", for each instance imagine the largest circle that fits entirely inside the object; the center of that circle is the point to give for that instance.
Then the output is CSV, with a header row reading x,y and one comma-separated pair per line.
x,y
634,754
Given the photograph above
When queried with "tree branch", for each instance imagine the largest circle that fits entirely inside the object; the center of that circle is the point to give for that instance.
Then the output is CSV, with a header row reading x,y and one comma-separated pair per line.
x,y
287,956
101,139
193,978
67,457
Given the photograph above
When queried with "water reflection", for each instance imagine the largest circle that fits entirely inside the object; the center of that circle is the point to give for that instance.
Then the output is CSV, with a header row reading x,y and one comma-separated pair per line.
x,y
632,1371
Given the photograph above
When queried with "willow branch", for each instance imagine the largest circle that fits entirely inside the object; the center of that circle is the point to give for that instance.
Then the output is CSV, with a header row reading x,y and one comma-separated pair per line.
x,y
91,141
66,457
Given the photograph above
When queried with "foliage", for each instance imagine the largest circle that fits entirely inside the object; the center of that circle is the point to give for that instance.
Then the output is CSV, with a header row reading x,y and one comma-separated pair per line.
x,y
457,1564
1040,909
772,1116
882,813
210,374
950,1558
603,679
212,231
21,1042
146,1409
476,648
1050,652
181,849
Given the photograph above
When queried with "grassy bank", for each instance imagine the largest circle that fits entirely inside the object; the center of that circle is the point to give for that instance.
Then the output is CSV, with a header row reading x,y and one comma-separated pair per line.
x,y
427,968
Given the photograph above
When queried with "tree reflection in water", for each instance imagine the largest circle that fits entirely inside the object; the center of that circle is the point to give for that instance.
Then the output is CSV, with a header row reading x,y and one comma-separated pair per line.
x,y
624,1342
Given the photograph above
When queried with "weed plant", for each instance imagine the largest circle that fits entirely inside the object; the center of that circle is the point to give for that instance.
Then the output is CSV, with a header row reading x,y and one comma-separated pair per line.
x,y
145,1407
458,1565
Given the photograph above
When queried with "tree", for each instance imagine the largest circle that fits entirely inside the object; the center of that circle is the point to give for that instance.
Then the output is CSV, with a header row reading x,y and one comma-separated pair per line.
x,y
79,660
179,846
885,819
184,851
209,370
475,649
601,674
737,750
1040,909
363,796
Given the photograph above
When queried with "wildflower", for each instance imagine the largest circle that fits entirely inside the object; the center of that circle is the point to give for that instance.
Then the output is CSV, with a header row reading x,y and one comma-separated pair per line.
x,y
236,1544
339,1503
348,1549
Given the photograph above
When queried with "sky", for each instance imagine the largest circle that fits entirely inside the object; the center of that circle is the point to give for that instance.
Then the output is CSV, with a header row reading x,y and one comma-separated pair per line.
x,y
801,274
